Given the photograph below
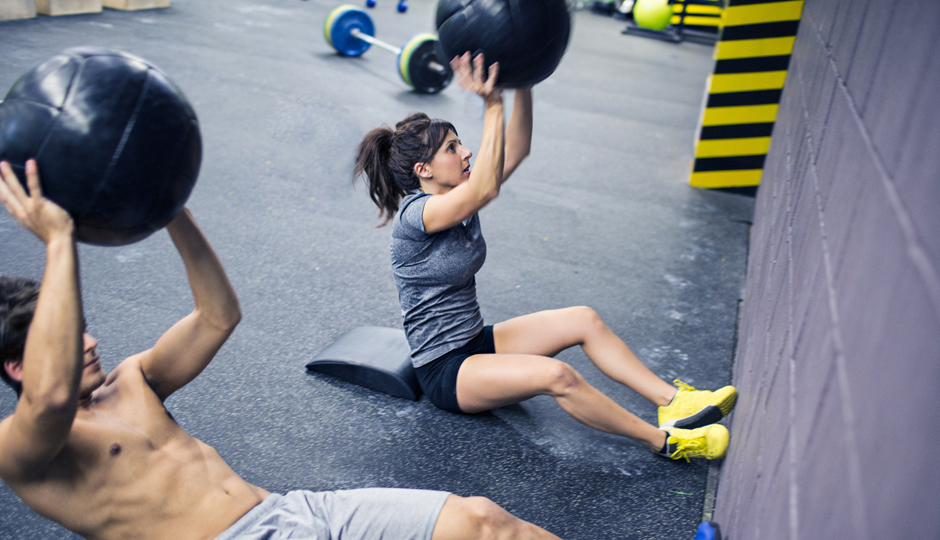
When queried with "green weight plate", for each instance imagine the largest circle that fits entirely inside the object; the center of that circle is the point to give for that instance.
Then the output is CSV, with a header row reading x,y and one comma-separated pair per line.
x,y
414,64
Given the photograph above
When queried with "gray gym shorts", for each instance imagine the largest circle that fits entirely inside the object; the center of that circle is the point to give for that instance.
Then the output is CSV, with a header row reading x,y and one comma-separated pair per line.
x,y
357,514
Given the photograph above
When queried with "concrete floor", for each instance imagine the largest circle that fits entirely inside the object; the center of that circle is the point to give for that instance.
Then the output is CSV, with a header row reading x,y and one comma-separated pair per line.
x,y
600,214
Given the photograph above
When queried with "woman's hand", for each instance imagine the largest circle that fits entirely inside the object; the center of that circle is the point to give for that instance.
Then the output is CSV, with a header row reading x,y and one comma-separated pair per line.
x,y
35,213
475,77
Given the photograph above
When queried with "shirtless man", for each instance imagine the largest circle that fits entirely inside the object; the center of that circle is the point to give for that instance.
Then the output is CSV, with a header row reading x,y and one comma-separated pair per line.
x,y
100,454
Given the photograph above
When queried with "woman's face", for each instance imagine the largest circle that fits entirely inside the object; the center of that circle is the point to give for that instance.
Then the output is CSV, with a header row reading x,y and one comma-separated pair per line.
x,y
450,165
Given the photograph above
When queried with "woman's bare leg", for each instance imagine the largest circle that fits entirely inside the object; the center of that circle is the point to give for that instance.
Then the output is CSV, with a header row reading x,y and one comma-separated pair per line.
x,y
547,333
489,381
473,518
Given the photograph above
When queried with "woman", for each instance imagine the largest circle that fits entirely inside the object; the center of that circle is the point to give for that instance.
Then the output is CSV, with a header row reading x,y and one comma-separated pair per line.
x,y
420,174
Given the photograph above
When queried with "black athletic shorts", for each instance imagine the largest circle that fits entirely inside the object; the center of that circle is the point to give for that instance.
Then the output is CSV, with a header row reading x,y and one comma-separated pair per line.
x,y
438,378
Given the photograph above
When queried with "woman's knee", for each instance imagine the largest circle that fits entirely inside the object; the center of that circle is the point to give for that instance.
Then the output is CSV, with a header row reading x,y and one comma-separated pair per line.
x,y
587,319
563,379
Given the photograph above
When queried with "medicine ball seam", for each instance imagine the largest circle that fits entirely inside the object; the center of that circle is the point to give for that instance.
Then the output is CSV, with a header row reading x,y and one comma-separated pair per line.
x,y
33,101
58,117
119,149
49,131
46,135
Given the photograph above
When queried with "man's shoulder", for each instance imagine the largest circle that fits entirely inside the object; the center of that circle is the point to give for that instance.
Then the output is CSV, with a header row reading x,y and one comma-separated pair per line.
x,y
128,372
130,367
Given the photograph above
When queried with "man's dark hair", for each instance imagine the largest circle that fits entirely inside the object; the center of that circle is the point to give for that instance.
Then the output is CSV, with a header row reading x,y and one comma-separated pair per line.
x,y
18,297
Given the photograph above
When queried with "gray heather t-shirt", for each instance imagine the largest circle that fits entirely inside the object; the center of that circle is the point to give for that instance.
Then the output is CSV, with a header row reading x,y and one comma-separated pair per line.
x,y
434,274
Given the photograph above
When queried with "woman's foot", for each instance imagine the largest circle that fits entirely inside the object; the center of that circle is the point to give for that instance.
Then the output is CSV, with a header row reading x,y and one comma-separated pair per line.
x,y
692,408
709,442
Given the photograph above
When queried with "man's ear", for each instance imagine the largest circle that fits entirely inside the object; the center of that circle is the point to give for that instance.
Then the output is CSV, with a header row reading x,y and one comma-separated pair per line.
x,y
14,369
423,170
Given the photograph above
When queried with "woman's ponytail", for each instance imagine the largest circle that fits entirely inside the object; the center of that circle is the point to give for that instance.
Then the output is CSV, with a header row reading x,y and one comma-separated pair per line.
x,y
372,158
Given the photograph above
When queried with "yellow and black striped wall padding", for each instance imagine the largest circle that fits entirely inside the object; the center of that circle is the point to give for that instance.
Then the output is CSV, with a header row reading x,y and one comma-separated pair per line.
x,y
702,16
751,60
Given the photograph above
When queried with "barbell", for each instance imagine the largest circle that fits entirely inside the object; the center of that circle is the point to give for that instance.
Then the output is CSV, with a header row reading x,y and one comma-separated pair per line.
x,y
421,63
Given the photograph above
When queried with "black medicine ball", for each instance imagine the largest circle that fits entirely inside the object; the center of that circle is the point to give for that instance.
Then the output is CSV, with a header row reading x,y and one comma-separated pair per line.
x,y
116,142
526,37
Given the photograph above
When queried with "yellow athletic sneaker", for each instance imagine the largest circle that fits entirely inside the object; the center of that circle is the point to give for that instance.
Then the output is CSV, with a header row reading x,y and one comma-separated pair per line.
x,y
693,408
709,442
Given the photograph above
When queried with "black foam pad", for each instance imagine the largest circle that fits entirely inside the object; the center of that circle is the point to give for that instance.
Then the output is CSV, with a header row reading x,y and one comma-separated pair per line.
x,y
373,357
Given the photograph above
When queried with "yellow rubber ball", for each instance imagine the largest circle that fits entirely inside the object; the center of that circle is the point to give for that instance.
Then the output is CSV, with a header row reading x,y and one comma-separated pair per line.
x,y
652,14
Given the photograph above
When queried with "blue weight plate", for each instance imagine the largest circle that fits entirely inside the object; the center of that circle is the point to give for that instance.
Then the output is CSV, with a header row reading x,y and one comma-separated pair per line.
x,y
341,23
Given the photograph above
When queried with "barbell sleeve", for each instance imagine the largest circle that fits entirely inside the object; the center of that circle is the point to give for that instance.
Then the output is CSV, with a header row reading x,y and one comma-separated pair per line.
x,y
377,42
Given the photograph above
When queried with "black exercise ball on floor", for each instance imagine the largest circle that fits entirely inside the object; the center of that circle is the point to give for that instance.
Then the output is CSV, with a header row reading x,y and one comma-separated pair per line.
x,y
527,37
116,142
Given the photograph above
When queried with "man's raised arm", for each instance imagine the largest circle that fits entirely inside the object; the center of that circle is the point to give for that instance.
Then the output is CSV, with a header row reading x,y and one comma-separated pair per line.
x,y
52,362
187,348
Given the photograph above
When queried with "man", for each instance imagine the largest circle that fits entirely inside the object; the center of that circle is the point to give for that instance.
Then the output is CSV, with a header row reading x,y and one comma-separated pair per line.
x,y
100,454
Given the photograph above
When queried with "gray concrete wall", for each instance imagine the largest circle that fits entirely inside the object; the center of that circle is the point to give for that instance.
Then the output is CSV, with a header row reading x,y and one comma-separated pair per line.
x,y
838,359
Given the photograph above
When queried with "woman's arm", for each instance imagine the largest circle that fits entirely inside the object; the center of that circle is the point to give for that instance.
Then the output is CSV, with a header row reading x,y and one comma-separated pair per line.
x,y
448,209
518,132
